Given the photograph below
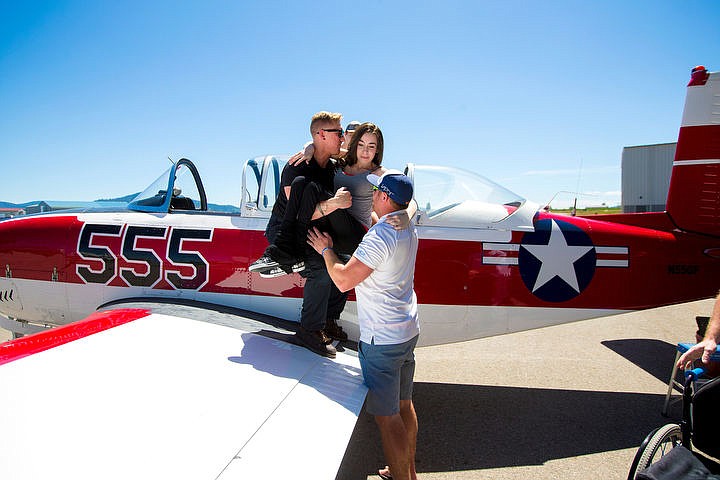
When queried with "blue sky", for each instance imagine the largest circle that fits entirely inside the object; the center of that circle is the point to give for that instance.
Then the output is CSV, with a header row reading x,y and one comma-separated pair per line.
x,y
539,96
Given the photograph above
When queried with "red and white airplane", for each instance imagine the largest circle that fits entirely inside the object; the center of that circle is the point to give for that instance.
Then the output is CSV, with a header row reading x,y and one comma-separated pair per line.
x,y
489,263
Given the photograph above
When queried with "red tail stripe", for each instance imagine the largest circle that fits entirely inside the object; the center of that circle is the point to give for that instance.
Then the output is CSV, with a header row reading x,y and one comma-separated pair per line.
x,y
698,143
39,342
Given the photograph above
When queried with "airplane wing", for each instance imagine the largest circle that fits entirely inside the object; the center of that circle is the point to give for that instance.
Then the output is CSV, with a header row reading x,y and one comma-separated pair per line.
x,y
132,394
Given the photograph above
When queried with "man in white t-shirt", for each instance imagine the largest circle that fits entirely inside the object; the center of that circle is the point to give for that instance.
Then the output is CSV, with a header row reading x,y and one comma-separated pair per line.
x,y
382,270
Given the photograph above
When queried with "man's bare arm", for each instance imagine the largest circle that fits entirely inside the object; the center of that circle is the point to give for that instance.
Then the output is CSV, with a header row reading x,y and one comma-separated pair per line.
x,y
346,276
342,199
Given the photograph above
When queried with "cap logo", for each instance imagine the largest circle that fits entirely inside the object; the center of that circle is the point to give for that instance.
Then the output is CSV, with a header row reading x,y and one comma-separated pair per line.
x,y
390,194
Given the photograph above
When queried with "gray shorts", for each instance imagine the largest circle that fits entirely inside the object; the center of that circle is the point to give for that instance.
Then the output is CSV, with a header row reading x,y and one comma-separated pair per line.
x,y
388,372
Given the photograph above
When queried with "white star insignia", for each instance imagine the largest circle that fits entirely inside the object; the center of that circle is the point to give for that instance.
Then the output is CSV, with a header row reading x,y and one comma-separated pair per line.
x,y
557,259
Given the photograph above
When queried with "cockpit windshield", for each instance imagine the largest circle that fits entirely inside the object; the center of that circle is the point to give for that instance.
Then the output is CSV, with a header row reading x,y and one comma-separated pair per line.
x,y
186,195
154,194
439,189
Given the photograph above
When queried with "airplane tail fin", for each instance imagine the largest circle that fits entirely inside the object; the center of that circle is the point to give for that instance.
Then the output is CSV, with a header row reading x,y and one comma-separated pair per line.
x,y
693,200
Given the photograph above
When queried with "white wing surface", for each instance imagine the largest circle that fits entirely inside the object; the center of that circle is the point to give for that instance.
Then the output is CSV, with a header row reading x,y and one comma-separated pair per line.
x,y
169,397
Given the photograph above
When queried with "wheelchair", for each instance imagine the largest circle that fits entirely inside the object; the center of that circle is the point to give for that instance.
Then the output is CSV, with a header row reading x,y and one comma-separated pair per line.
x,y
698,431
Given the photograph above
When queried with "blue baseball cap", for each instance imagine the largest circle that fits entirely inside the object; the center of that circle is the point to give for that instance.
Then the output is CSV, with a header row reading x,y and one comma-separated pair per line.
x,y
396,184
352,126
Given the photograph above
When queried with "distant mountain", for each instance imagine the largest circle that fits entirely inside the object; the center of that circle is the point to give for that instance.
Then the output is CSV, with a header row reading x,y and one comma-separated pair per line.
x,y
125,199
17,205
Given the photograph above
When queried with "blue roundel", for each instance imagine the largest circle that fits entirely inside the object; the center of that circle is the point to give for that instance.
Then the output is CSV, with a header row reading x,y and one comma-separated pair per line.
x,y
557,261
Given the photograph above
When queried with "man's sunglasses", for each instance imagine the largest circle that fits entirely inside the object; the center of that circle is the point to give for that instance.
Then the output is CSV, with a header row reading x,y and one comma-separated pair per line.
x,y
339,131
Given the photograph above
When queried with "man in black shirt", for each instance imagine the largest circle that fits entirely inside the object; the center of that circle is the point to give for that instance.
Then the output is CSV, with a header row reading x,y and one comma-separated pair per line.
x,y
307,193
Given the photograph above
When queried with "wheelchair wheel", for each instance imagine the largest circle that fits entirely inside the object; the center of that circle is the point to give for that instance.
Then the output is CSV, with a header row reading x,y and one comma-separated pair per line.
x,y
655,445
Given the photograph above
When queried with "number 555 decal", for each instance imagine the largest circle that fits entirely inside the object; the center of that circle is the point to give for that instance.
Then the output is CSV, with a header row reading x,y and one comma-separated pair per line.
x,y
144,267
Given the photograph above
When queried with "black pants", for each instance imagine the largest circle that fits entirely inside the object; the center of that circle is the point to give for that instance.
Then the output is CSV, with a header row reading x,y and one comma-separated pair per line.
x,y
321,298
289,234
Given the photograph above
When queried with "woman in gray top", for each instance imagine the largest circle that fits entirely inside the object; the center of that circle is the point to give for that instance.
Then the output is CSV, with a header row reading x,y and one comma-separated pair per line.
x,y
349,213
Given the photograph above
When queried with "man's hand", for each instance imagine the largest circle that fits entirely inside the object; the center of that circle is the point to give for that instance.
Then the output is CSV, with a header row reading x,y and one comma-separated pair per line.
x,y
703,349
319,240
346,276
296,159
303,156
398,220
342,199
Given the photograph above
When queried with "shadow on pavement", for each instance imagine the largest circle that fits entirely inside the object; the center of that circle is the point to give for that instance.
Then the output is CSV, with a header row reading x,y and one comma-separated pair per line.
x,y
654,356
472,427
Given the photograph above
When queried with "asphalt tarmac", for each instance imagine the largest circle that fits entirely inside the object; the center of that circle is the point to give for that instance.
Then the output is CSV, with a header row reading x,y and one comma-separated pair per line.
x,y
567,402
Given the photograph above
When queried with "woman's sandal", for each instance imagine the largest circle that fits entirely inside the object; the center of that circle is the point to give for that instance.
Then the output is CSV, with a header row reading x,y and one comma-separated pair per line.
x,y
385,473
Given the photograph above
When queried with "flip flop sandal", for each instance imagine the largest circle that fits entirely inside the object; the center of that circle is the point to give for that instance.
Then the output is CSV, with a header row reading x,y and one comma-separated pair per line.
x,y
385,476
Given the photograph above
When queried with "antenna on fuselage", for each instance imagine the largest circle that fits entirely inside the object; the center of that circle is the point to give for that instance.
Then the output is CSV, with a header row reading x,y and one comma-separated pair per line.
x,y
573,212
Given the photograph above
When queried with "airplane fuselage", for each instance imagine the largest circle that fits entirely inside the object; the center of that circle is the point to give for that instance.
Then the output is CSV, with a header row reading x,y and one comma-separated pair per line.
x,y
568,268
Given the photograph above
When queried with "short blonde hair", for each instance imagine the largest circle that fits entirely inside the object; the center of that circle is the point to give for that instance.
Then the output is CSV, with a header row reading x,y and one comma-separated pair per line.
x,y
324,118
